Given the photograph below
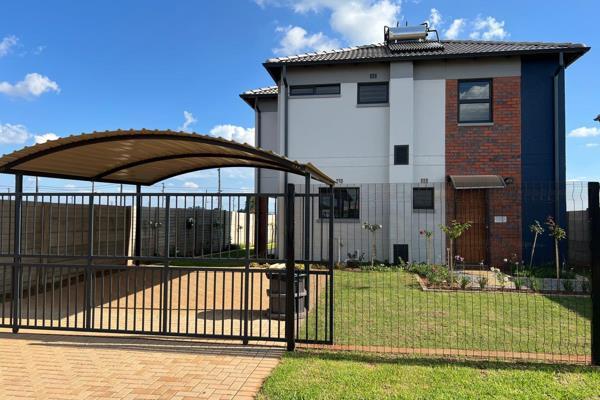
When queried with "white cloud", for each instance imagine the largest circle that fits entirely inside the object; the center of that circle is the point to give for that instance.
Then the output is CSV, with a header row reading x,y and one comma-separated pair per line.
x,y
296,40
584,131
188,120
191,185
488,28
455,29
435,18
7,44
233,132
39,139
592,144
13,134
33,84
362,22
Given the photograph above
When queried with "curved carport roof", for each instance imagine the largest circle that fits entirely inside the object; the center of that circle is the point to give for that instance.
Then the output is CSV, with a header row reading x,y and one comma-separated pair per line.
x,y
143,157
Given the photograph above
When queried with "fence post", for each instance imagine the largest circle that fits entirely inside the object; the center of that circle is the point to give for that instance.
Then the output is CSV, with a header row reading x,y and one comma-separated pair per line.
x,y
88,273
307,223
594,216
289,267
17,266
138,224
331,261
246,269
165,272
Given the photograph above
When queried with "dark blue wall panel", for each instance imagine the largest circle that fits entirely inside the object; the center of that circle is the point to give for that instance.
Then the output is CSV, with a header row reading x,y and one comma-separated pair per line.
x,y
537,144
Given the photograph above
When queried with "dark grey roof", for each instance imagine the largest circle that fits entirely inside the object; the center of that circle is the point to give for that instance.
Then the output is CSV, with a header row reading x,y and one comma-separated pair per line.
x,y
427,50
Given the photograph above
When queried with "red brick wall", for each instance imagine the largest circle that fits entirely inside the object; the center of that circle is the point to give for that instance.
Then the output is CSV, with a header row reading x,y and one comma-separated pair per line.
x,y
494,150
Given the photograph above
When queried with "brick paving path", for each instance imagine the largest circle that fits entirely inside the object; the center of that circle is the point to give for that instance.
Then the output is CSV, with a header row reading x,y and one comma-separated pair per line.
x,y
81,366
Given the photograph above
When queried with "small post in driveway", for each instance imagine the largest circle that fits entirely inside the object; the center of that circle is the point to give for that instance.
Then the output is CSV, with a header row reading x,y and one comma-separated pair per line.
x,y
290,266
594,217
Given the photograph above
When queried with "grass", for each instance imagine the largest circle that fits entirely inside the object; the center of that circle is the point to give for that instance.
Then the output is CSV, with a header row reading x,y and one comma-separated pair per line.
x,y
325,375
390,309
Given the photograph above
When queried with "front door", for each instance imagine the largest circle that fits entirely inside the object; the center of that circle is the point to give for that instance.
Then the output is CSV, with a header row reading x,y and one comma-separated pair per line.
x,y
471,206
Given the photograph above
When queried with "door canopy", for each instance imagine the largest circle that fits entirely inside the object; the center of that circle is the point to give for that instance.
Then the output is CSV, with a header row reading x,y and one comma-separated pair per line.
x,y
143,157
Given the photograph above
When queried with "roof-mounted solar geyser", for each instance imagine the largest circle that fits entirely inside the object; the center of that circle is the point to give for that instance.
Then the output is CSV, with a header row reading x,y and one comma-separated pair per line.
x,y
407,33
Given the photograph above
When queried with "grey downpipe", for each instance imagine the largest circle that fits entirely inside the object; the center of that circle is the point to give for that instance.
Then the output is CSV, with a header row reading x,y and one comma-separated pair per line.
x,y
285,119
258,140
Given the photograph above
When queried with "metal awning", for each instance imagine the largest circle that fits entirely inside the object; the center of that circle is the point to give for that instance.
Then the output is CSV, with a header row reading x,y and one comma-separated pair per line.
x,y
477,181
143,157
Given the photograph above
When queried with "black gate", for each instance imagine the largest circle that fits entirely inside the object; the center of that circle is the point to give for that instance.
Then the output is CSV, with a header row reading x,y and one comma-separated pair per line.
x,y
209,265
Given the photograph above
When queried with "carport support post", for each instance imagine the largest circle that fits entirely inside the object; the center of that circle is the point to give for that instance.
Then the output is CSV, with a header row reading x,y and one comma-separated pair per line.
x,y
138,224
165,272
289,267
17,266
594,216
88,268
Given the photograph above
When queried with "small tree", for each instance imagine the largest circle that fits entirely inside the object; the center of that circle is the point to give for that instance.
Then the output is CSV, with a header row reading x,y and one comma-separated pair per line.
x,y
372,228
558,233
454,231
429,241
537,230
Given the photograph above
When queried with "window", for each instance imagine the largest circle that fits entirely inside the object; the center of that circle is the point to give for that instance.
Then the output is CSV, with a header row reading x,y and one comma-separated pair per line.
x,y
401,154
422,198
345,202
315,90
475,100
373,93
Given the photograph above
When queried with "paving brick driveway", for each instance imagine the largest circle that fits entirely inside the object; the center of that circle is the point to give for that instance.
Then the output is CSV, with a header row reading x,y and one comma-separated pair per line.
x,y
80,366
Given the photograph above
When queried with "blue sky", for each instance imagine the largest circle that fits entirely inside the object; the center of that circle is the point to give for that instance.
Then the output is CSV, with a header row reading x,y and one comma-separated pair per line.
x,y
68,67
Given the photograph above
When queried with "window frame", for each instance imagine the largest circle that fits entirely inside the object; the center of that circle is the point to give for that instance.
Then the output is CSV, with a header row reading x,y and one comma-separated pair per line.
x,y
421,189
401,146
323,192
314,90
380,83
489,100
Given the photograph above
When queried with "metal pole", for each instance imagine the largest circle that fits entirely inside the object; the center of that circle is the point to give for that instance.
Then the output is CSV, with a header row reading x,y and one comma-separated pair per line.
x,y
88,273
289,267
594,216
165,277
138,224
246,269
17,266
331,219
307,201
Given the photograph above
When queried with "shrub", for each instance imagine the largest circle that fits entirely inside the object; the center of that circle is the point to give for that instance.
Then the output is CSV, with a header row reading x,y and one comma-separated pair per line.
x,y
568,285
534,284
464,282
519,283
585,286
482,281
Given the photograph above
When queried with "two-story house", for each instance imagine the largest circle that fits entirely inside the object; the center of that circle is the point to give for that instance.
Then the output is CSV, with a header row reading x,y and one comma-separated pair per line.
x,y
419,133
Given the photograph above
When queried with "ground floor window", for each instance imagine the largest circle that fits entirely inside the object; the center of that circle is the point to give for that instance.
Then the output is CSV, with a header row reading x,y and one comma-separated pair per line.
x,y
346,203
422,198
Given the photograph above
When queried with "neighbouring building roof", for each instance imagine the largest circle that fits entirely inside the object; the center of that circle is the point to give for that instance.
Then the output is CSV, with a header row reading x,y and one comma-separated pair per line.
x,y
446,49
143,157
266,92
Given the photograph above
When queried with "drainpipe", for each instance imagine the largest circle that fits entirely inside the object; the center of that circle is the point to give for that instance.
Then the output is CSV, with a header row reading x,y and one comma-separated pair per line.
x,y
285,118
258,140
559,77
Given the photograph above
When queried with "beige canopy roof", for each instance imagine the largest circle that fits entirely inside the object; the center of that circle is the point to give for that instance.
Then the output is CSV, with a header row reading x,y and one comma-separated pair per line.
x,y
143,157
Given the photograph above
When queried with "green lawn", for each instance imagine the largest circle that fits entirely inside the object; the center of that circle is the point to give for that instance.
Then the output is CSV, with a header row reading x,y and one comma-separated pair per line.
x,y
323,375
390,309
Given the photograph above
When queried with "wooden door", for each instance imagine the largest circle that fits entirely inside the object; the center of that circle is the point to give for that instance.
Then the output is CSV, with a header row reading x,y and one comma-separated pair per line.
x,y
471,206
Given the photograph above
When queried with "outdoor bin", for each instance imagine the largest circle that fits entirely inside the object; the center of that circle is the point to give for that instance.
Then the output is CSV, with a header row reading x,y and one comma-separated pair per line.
x,y
277,293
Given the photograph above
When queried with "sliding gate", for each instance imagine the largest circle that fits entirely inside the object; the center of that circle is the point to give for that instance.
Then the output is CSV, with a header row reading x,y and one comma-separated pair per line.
x,y
208,265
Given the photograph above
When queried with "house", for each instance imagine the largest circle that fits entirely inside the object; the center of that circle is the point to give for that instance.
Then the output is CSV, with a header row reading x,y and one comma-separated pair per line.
x,y
426,132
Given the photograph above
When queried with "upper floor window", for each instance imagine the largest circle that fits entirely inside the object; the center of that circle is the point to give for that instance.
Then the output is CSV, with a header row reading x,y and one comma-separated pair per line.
x,y
373,93
345,203
315,90
475,100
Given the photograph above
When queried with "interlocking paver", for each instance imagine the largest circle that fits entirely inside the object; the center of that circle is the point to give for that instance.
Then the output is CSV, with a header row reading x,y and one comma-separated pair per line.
x,y
82,366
